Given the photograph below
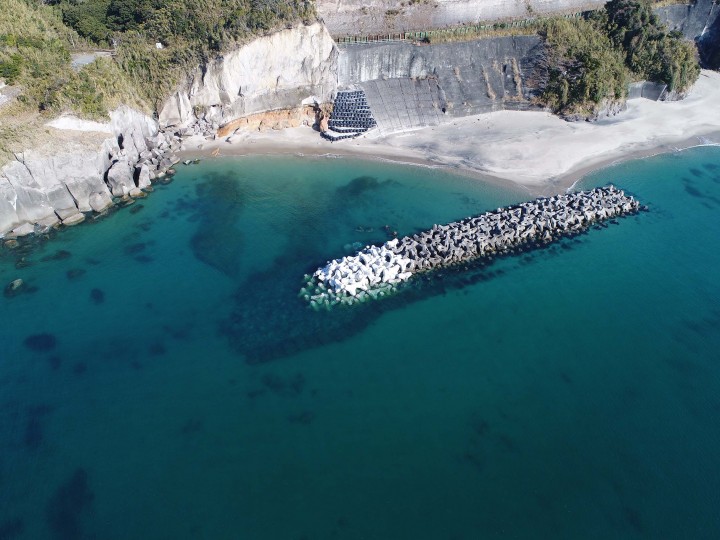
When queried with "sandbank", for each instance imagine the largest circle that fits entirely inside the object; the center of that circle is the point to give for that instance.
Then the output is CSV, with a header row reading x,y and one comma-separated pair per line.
x,y
536,150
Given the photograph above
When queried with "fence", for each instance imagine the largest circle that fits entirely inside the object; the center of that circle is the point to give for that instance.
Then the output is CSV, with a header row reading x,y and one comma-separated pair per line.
x,y
453,32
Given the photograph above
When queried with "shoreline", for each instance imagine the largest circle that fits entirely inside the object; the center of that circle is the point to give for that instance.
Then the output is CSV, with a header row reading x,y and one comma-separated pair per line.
x,y
535,152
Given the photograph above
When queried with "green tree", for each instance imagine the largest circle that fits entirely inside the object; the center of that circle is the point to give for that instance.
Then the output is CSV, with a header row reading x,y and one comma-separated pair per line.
x,y
124,15
651,51
89,19
583,69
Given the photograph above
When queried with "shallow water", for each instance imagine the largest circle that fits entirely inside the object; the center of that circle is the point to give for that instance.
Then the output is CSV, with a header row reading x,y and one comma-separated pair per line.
x,y
164,380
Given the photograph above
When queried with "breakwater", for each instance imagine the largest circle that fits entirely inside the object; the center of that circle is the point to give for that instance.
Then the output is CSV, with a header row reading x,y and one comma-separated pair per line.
x,y
375,271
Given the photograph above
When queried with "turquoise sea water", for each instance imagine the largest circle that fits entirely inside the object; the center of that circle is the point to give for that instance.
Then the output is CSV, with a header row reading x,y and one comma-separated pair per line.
x,y
175,386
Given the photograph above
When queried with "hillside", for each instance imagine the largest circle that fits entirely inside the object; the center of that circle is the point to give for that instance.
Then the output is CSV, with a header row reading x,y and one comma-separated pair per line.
x,y
588,61
36,44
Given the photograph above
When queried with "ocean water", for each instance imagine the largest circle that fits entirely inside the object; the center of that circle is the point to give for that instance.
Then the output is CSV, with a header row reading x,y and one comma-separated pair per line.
x,y
159,377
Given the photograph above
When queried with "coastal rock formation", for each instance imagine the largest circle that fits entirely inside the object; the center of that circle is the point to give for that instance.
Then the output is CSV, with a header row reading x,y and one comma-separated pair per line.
x,y
373,271
43,187
273,81
40,189
282,70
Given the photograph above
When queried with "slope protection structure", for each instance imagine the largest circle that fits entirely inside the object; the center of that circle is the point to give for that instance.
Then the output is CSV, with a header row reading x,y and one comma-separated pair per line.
x,y
410,86
353,17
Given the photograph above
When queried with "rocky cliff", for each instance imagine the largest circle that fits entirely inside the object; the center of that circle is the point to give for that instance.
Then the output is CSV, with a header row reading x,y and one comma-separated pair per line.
x,y
61,182
42,188
693,19
283,70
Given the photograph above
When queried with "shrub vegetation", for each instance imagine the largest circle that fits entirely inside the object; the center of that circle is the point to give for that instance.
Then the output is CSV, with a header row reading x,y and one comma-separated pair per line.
x,y
589,62
583,68
35,46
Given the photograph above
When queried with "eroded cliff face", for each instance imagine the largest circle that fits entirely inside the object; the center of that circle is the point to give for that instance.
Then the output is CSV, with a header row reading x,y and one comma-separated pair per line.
x,y
281,71
45,187
60,183
694,19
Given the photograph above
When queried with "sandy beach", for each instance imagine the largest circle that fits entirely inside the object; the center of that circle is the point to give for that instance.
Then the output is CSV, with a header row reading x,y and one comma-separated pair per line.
x,y
536,150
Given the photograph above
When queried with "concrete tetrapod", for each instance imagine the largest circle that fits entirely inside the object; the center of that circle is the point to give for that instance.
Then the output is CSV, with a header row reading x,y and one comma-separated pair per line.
x,y
375,271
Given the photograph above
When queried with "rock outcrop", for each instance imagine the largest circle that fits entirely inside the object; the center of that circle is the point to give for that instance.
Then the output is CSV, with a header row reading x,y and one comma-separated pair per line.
x,y
42,188
280,71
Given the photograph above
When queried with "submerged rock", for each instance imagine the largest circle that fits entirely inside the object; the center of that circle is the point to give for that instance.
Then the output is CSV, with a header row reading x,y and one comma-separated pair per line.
x,y
73,219
14,288
100,201
66,508
97,296
75,273
59,255
40,342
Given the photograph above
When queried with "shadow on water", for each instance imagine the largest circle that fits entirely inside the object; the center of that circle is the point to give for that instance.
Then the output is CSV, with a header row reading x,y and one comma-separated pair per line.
x,y
268,320
12,528
66,508
217,241
34,425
